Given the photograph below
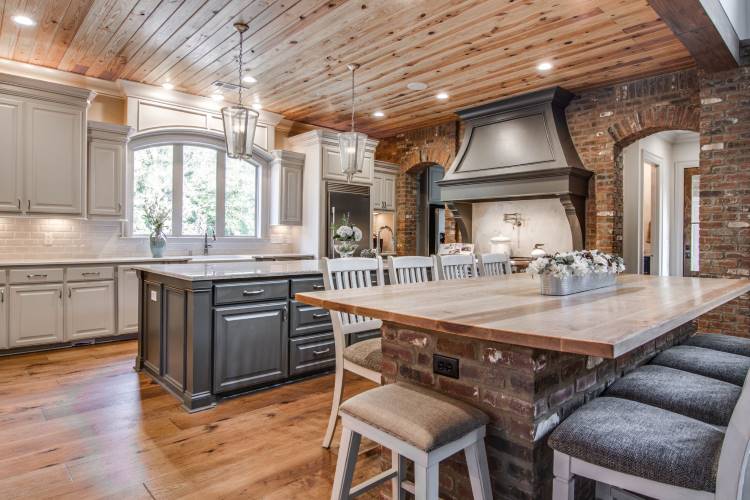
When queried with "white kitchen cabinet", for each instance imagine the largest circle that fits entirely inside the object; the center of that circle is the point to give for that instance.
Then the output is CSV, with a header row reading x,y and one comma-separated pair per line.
x,y
127,300
3,316
11,146
36,314
384,186
376,192
286,188
332,165
106,172
54,156
389,192
89,310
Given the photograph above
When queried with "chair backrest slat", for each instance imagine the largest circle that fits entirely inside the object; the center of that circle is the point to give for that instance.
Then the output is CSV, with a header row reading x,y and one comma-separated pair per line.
x,y
494,264
733,476
411,269
456,267
352,273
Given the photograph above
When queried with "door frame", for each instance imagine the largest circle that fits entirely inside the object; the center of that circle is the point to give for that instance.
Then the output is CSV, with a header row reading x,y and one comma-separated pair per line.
x,y
679,218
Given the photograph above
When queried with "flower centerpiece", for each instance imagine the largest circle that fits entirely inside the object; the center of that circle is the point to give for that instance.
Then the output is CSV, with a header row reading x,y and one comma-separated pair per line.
x,y
346,237
156,213
574,272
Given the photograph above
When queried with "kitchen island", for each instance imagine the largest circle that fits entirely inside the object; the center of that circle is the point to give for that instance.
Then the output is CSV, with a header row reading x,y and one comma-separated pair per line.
x,y
213,330
525,359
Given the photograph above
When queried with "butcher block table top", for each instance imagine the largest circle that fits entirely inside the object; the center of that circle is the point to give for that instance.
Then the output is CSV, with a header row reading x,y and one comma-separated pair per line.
x,y
607,322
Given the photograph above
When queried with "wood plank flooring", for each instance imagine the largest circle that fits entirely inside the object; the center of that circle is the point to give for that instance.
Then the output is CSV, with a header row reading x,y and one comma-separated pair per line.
x,y
80,423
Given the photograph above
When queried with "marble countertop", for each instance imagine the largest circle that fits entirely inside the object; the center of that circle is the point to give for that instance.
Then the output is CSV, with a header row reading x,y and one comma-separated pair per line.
x,y
234,270
66,261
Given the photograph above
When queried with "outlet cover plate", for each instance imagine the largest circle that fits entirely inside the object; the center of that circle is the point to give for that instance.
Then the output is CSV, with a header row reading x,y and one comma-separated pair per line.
x,y
444,365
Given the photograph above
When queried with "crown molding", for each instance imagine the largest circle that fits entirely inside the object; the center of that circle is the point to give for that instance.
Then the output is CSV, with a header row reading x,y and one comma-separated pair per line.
x,y
56,76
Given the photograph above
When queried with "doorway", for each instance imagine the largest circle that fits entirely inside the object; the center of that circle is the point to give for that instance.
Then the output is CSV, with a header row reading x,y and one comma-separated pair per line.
x,y
430,211
691,220
649,240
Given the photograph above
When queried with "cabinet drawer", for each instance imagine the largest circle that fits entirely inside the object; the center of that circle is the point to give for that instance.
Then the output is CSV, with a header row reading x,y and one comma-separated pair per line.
x,y
252,291
36,275
308,319
90,273
301,285
360,336
313,353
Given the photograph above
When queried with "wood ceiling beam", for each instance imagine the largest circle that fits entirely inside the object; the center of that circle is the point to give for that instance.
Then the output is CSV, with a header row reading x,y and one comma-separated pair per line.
x,y
705,30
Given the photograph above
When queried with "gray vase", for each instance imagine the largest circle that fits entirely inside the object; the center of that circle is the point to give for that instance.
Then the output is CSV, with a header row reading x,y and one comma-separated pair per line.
x,y
157,242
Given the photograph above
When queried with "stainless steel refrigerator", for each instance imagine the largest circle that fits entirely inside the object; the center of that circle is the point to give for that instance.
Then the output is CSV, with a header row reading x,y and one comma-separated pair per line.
x,y
351,200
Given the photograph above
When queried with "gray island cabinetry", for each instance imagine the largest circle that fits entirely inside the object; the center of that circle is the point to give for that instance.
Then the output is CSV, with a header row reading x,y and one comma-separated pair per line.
x,y
213,330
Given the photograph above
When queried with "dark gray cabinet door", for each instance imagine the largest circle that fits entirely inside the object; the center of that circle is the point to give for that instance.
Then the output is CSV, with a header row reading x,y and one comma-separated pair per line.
x,y
152,326
250,345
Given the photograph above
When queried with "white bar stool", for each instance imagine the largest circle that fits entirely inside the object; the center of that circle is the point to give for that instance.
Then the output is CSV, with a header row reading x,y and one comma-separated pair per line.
x,y
416,424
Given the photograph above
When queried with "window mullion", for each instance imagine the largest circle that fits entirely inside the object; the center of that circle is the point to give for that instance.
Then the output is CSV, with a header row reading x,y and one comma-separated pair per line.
x,y
220,193
177,179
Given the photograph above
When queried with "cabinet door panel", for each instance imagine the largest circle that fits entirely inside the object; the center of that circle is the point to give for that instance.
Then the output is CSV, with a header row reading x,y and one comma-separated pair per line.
x,y
127,300
3,317
36,315
291,213
250,345
11,145
89,310
388,191
54,158
105,174
152,327
377,192
174,337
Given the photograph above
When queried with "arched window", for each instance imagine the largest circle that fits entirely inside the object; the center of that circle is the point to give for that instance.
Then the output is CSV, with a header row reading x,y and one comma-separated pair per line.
x,y
206,190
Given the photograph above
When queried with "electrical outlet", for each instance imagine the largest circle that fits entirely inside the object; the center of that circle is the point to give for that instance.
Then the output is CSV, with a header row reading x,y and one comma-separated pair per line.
x,y
443,365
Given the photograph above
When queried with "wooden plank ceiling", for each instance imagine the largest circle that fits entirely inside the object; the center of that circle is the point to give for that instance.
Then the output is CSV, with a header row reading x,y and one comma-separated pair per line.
x,y
475,50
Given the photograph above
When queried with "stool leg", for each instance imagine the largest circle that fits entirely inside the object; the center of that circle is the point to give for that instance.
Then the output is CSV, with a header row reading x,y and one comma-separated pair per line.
x,y
563,486
348,449
399,463
479,473
426,482
338,391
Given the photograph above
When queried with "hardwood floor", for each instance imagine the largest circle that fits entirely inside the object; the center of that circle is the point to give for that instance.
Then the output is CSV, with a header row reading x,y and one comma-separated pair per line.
x,y
81,423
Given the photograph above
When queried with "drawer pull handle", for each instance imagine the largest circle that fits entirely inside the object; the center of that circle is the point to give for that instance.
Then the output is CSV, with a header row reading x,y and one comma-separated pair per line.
x,y
248,293
320,353
91,273
321,315
32,276
319,287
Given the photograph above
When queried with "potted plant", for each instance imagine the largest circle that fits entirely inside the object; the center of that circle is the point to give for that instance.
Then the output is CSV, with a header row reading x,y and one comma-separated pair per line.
x,y
156,213
345,237
574,272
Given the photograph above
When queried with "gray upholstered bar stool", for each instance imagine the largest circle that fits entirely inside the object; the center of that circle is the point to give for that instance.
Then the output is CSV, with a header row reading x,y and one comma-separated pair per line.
x,y
720,342
653,452
724,366
415,424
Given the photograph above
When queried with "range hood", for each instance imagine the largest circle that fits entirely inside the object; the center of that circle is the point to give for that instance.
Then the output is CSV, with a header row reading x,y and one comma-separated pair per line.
x,y
518,149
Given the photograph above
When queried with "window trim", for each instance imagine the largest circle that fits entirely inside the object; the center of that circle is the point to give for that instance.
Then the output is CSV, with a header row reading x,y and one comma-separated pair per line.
x,y
214,140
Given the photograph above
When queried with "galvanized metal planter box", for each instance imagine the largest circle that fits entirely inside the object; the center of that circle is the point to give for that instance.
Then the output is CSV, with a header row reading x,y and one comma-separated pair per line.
x,y
568,285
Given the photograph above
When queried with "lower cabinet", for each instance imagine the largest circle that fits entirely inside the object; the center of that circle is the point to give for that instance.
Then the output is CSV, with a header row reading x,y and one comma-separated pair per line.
x,y
36,314
250,345
127,300
3,317
89,310
311,354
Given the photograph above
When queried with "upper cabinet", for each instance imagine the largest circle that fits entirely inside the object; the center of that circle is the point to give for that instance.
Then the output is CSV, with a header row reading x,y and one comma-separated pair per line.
x,y
321,148
286,188
106,172
43,132
383,192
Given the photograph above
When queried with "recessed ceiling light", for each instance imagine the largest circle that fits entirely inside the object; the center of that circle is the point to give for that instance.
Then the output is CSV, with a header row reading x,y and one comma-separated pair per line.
x,y
217,97
544,66
378,114
249,79
257,106
23,20
167,85
416,85
442,96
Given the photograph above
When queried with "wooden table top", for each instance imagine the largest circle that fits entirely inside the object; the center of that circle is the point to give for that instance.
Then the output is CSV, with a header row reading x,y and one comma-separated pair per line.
x,y
607,322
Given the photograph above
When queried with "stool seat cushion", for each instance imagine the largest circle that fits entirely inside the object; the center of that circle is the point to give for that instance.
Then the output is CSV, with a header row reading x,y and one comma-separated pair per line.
x,y
719,342
702,398
642,440
366,353
422,418
724,366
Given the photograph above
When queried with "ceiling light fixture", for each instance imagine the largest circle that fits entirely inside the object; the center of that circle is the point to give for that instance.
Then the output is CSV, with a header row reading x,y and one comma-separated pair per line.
x,y
167,86
249,79
257,106
217,97
23,20
378,114
352,144
442,96
544,66
239,121
416,86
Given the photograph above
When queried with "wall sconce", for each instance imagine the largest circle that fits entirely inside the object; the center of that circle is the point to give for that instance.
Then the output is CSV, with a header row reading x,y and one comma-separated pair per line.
x,y
514,219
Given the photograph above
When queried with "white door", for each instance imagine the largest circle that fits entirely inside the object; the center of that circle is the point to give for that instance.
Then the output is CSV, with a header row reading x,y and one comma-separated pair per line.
x,y
11,148
105,174
377,192
54,157
3,317
36,314
389,192
127,300
89,310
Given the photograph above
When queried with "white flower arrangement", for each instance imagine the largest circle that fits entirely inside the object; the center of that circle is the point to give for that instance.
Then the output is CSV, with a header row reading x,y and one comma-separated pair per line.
x,y
347,231
577,263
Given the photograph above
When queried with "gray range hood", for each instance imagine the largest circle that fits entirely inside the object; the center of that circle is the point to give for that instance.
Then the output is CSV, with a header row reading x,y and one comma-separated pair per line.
x,y
518,149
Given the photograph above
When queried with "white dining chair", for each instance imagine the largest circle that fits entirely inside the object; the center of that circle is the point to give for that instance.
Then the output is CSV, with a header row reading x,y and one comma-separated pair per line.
x,y
456,267
493,264
363,358
412,269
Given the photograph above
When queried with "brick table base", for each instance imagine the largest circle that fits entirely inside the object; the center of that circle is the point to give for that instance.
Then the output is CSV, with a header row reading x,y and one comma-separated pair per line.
x,y
526,392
